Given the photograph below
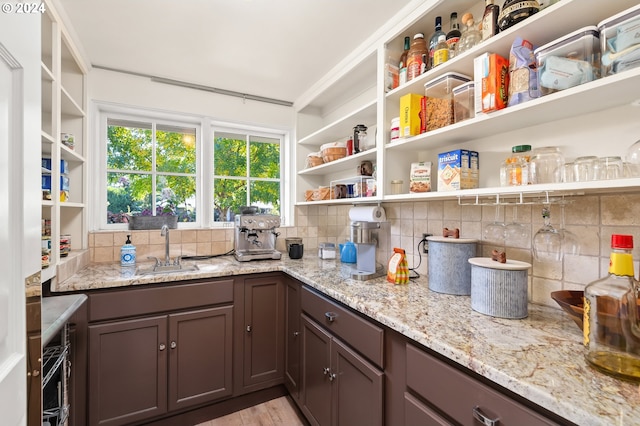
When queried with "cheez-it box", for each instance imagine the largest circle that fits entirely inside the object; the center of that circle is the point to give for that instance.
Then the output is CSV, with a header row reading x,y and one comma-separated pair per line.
x,y
495,81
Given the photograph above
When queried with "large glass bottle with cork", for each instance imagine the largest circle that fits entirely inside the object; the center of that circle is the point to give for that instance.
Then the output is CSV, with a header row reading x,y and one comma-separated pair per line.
x,y
611,330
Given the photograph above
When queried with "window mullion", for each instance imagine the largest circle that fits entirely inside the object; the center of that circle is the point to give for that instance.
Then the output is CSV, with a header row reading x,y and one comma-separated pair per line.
x,y
153,168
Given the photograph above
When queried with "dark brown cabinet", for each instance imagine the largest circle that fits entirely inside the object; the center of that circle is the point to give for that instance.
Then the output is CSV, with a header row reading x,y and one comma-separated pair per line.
x,y
293,337
179,354
340,386
260,332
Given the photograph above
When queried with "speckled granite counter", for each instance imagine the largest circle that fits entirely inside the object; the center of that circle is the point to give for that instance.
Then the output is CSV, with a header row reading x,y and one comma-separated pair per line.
x,y
56,311
539,358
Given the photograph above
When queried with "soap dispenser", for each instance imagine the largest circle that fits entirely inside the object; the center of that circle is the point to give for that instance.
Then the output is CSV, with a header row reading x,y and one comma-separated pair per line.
x,y
128,253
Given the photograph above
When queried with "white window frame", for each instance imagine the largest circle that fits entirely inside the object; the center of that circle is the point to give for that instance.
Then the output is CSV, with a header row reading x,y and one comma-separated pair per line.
x,y
204,161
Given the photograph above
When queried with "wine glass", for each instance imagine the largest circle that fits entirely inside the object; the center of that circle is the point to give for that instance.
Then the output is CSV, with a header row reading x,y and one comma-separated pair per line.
x,y
547,243
494,232
570,243
516,234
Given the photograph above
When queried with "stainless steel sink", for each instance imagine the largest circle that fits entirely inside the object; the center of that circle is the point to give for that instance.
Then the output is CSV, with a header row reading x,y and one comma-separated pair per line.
x,y
167,269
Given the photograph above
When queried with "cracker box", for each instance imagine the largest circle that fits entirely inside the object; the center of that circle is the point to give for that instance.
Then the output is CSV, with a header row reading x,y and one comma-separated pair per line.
x,y
420,177
458,169
411,115
495,82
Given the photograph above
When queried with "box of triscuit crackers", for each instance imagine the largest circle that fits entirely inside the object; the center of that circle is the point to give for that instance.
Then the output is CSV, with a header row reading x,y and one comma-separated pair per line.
x,y
458,169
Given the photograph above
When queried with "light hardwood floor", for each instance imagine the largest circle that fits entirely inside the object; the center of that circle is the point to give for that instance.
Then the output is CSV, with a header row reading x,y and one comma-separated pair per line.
x,y
277,412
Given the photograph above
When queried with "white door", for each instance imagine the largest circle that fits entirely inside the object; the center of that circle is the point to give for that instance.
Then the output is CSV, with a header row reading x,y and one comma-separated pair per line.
x,y
13,399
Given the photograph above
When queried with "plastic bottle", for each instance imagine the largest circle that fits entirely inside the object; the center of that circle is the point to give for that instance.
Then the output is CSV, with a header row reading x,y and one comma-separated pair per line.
x,y
441,52
433,40
128,253
402,63
414,57
610,326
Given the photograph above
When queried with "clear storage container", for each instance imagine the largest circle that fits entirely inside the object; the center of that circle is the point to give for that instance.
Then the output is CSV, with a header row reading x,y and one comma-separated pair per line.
x,y
439,93
620,41
463,102
569,61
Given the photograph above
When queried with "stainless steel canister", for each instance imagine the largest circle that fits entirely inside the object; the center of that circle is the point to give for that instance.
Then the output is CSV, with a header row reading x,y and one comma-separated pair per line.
x,y
499,289
449,270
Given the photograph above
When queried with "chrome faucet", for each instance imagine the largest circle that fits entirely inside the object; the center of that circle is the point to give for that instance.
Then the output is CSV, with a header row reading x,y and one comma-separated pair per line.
x,y
164,232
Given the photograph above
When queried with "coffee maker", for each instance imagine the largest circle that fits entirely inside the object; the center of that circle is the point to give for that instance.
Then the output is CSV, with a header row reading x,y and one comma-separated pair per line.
x,y
255,237
370,238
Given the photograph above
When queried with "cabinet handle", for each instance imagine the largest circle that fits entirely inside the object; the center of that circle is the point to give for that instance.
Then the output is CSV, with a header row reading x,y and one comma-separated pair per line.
x,y
479,416
331,316
35,373
332,377
325,371
173,344
249,329
162,346
296,333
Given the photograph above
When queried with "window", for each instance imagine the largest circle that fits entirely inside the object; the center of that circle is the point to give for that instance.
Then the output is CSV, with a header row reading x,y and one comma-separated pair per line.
x,y
246,173
151,170
204,171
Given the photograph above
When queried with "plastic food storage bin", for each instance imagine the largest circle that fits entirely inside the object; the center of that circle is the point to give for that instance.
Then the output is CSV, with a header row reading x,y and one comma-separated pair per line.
x,y
620,41
569,61
439,93
463,102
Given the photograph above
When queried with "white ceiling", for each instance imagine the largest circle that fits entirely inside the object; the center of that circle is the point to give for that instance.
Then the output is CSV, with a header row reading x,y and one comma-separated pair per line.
x,y
270,48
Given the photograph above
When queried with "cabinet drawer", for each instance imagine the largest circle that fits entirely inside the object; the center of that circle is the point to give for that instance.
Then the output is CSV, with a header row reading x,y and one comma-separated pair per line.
x,y
458,395
359,333
140,301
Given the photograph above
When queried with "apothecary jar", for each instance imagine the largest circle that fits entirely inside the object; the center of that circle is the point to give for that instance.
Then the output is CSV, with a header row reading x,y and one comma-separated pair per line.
x,y
546,165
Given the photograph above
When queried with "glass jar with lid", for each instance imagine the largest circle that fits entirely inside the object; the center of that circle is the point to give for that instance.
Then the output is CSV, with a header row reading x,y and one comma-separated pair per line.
x,y
546,165
518,165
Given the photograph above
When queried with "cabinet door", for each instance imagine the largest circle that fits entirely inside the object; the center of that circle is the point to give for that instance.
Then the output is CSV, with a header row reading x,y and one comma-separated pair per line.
x,y
293,337
263,331
357,388
200,356
127,371
316,375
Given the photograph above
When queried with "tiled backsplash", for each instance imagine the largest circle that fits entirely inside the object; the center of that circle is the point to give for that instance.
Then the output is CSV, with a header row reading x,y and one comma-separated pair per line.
x,y
592,218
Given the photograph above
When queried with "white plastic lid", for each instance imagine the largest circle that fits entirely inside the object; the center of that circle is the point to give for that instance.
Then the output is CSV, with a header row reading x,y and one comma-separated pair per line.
x,y
591,30
452,240
446,83
510,265
621,17
419,35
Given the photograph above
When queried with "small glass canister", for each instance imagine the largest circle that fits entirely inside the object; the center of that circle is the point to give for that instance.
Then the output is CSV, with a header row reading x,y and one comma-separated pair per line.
x,y
546,165
396,186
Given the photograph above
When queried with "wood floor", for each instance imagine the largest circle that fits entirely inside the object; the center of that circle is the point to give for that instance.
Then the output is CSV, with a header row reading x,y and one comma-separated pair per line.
x,y
277,412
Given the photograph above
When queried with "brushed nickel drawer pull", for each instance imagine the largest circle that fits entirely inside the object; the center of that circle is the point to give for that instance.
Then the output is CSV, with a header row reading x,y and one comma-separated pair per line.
x,y
479,416
173,345
331,316
332,377
249,329
325,371
162,346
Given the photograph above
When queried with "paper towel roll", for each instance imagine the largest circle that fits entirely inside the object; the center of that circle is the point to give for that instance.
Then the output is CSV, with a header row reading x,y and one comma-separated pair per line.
x,y
367,214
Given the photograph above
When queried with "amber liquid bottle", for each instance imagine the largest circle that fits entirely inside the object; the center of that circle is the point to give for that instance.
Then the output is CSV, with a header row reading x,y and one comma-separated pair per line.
x,y
490,20
415,57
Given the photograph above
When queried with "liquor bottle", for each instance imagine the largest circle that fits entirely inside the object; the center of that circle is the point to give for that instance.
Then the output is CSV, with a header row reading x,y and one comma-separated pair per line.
x,y
610,326
402,63
415,58
514,11
441,53
453,36
434,40
470,37
490,20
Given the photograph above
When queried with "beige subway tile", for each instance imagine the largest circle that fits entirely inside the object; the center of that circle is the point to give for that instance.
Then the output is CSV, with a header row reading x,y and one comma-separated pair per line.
x,y
436,210
189,236
541,291
203,248
581,211
323,210
203,236
219,247
312,211
406,227
392,211
471,230
332,220
91,240
435,227
452,211
155,238
420,227
548,270
188,249
104,239
332,210
218,235
620,210
156,250
421,210
103,254
406,210
140,237
581,269
471,213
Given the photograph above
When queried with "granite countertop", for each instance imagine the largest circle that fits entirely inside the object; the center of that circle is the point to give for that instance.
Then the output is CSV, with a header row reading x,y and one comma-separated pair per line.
x,y
540,357
56,311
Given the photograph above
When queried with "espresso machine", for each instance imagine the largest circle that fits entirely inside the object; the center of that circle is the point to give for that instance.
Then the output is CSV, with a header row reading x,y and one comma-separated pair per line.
x,y
255,237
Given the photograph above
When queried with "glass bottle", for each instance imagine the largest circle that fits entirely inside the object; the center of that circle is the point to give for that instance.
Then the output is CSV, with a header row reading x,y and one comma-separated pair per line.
x,y
414,57
433,40
610,325
490,20
514,11
441,52
402,63
453,36
470,36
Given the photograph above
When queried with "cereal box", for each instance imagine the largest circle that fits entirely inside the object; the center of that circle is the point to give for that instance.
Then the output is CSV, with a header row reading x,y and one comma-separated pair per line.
x,y
411,120
458,169
495,82
420,177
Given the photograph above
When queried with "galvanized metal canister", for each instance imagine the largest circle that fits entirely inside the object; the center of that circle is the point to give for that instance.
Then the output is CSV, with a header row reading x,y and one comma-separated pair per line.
x,y
499,289
449,269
